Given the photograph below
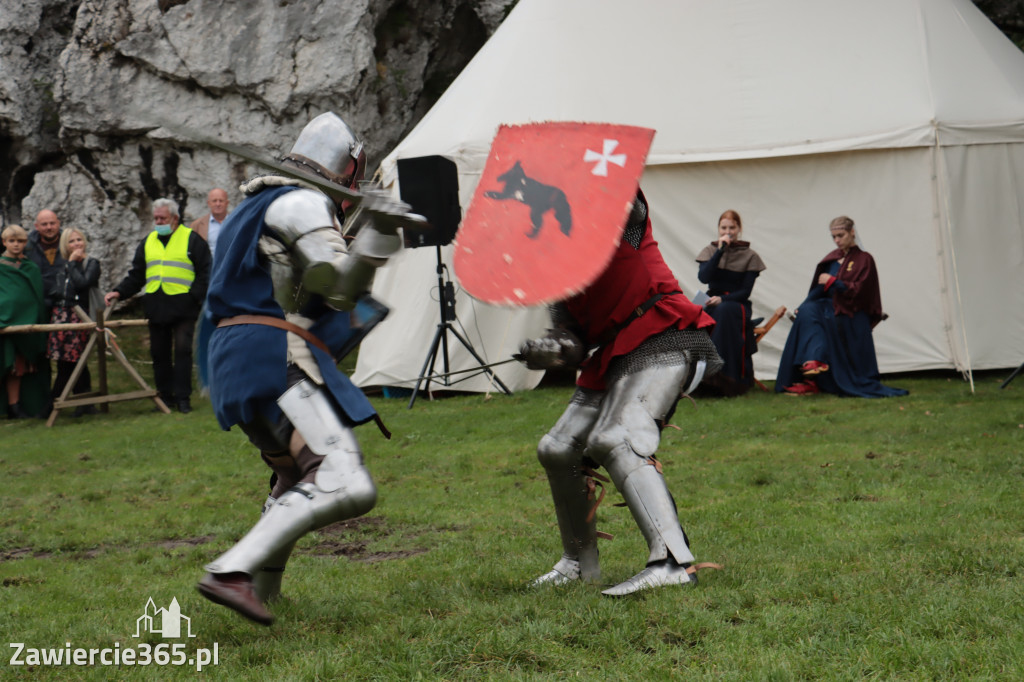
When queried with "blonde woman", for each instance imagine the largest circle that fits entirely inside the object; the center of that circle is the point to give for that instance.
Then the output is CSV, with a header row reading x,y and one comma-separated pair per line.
x,y
830,348
71,288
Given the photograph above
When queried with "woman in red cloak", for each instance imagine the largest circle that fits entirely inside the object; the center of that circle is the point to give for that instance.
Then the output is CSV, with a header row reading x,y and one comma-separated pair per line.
x,y
830,347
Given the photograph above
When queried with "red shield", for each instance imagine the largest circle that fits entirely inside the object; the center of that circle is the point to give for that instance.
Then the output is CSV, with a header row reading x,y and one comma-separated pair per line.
x,y
549,211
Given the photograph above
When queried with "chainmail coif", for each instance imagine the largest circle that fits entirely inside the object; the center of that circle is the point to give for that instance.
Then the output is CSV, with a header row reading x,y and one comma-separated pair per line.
x,y
636,224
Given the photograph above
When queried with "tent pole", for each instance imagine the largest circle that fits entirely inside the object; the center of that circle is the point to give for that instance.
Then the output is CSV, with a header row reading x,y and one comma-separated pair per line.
x,y
942,182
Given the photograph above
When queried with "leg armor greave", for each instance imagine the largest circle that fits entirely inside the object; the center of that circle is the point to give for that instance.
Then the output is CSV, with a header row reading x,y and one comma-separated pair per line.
x,y
650,503
335,484
624,441
267,581
570,493
561,454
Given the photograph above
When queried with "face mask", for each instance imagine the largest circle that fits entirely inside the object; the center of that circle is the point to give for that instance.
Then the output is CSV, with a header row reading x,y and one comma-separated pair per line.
x,y
164,230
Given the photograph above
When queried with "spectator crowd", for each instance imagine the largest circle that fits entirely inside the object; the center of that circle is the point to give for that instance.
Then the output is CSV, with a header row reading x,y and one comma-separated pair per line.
x,y
48,277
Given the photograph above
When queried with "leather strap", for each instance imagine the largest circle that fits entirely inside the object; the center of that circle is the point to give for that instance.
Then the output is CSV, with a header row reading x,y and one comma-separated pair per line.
x,y
295,329
610,335
594,481
269,321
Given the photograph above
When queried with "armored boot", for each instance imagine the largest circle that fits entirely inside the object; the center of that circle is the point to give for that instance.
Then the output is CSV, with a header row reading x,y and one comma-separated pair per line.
x,y
342,489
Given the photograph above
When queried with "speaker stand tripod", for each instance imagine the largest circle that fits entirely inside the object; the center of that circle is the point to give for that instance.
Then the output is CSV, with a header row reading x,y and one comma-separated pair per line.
x,y
1012,376
446,297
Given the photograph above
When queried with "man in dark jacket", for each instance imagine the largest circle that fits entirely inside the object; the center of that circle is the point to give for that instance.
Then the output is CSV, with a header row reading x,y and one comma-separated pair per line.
x,y
44,250
173,265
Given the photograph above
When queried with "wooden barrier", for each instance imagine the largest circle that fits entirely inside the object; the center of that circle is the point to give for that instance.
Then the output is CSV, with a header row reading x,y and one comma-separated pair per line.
x,y
97,341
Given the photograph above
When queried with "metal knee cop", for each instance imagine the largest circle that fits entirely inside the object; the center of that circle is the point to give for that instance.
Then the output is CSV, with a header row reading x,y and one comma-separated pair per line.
x,y
341,488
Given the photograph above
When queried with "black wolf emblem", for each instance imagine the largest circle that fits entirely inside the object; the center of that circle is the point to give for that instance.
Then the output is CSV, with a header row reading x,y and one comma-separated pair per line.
x,y
539,197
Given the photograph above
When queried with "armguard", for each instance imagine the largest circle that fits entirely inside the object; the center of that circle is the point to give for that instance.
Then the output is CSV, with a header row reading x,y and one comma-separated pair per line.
x,y
304,222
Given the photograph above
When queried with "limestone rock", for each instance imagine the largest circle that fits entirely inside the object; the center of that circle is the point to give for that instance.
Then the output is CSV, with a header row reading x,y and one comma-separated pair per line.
x,y
104,103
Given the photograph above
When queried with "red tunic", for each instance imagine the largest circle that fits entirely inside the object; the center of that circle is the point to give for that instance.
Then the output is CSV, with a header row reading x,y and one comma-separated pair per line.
x,y
632,277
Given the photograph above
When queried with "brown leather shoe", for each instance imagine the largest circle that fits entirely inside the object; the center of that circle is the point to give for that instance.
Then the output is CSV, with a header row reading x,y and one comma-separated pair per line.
x,y
235,591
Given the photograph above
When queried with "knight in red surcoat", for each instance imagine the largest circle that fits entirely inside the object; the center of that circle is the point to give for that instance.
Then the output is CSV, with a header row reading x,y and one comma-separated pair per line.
x,y
640,345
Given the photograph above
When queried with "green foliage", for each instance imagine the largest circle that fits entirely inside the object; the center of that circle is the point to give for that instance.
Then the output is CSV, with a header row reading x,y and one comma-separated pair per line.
x,y
859,538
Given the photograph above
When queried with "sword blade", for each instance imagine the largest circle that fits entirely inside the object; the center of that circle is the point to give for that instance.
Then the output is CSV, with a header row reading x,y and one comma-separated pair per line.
x,y
410,221
332,189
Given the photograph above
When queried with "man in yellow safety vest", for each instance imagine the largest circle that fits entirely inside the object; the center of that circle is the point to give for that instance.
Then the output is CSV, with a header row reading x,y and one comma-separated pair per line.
x,y
172,264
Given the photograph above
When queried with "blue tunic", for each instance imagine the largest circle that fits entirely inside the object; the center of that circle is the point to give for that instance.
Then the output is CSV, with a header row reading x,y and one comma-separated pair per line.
x,y
248,363
843,342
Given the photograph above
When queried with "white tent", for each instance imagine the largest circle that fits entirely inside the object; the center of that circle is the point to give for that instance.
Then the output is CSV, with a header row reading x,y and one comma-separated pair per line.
x,y
907,115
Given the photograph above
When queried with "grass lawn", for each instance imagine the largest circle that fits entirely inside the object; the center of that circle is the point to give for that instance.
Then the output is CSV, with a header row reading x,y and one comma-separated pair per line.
x,y
860,539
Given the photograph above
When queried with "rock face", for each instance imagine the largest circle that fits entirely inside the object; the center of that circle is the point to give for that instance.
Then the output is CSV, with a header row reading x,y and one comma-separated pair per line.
x,y
86,85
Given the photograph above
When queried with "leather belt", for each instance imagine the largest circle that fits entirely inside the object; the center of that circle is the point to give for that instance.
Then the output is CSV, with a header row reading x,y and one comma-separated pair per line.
x,y
269,321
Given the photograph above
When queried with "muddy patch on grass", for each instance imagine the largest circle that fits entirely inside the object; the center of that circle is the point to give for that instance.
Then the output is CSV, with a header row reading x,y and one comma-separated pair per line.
x,y
187,542
92,553
351,539
22,553
16,581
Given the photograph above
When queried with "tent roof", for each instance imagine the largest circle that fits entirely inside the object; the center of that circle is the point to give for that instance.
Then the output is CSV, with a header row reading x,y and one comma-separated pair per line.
x,y
705,75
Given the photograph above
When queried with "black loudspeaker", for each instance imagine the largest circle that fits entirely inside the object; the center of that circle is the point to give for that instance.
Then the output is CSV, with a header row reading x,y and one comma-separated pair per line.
x,y
430,184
